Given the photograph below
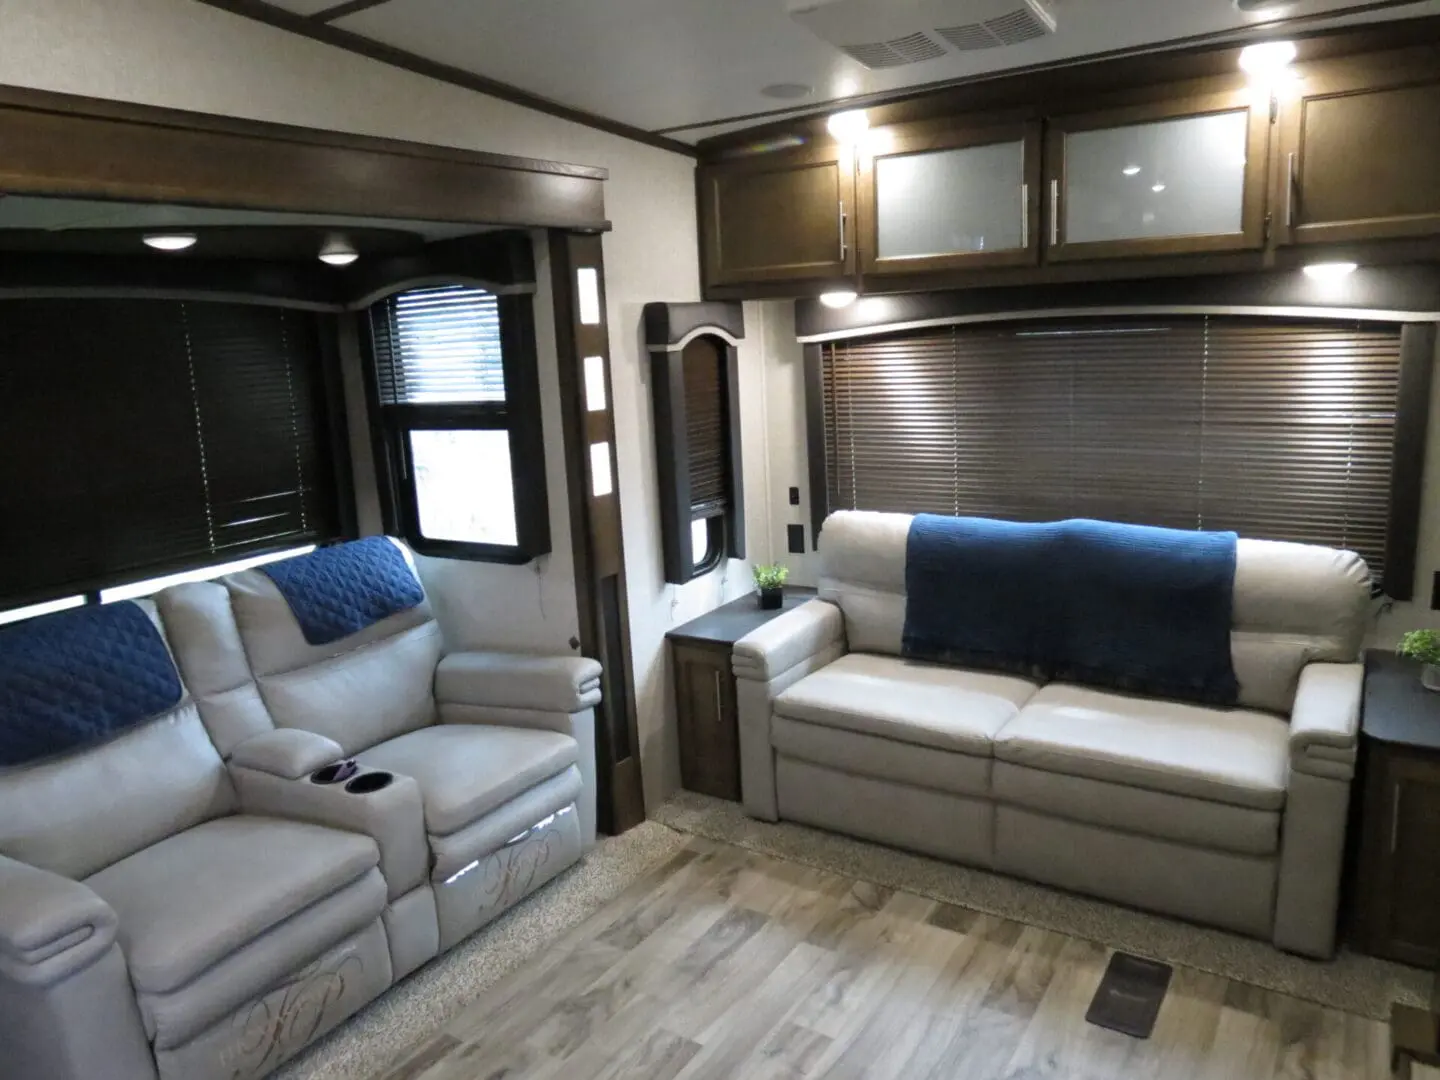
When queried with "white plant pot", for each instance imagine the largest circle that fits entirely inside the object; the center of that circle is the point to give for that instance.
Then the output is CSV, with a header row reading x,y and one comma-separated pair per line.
x,y
1430,677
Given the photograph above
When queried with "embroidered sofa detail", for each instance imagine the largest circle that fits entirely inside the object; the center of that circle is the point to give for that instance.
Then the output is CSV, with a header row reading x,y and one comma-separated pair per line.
x,y
338,591
80,677
1132,607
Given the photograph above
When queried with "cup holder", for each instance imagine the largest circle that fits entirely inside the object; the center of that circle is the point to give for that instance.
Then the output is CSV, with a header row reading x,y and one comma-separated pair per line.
x,y
369,782
336,773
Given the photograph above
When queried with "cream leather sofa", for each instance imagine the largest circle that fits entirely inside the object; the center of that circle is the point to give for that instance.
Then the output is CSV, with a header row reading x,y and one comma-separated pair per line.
x,y
1231,817
184,901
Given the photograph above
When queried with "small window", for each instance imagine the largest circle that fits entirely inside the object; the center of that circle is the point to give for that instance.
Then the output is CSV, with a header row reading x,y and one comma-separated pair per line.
x,y
707,543
459,404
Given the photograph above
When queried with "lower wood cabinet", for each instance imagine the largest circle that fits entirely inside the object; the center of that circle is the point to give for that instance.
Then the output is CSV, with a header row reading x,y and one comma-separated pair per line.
x,y
708,723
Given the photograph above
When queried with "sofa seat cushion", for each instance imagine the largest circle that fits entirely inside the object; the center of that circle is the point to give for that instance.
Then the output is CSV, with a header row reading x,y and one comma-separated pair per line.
x,y
194,898
467,770
912,702
884,759
1232,756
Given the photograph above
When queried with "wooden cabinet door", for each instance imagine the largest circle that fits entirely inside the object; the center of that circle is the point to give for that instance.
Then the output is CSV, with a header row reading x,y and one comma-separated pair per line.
x,y
1399,889
1165,178
946,197
1360,152
708,723
781,216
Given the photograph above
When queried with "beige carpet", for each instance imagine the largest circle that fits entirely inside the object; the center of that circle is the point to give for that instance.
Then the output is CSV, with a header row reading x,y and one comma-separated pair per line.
x,y
1354,983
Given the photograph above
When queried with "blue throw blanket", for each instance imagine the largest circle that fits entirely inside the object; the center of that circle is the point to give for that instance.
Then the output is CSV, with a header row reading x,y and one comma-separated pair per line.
x,y
79,677
1125,606
338,591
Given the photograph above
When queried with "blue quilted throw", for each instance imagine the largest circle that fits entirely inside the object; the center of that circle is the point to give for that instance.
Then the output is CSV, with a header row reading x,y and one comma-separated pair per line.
x,y
338,591
79,677
1129,607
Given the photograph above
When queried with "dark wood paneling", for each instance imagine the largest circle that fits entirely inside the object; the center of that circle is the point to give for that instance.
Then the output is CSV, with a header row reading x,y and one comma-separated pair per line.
x,y
668,324
815,439
1407,478
60,145
708,724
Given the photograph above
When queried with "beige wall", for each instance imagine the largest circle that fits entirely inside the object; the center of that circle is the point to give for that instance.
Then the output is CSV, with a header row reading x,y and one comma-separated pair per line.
x,y
183,54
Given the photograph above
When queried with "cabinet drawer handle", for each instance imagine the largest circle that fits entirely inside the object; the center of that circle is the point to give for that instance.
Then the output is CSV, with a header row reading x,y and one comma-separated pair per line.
x,y
1395,819
1025,216
1290,190
719,706
1054,212
844,249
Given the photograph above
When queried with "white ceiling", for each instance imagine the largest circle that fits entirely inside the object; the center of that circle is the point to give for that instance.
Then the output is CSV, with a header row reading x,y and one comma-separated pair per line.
x,y
686,67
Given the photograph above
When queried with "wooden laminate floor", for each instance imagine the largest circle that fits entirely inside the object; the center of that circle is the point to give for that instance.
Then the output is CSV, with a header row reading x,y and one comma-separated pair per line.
x,y
725,963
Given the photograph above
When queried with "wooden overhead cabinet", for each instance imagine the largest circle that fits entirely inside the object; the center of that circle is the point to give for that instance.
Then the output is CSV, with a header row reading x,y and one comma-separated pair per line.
x,y
1360,151
949,197
779,216
1163,178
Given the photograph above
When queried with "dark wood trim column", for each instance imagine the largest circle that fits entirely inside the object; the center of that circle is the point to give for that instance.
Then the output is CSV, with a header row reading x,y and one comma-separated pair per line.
x,y
592,482
1407,476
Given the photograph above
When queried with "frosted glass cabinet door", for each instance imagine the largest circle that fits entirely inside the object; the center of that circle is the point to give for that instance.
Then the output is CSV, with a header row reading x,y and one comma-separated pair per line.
x,y
949,199
1182,183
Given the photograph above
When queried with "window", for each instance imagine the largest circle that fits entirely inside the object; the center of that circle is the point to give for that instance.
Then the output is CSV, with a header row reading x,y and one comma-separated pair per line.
x,y
459,403
145,437
1275,429
708,439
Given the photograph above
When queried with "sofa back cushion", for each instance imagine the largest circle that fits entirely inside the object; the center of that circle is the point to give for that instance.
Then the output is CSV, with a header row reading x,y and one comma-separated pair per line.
x,y
81,811
1293,603
359,690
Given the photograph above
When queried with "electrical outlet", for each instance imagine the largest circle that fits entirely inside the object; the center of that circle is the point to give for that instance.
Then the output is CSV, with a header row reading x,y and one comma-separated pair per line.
x,y
794,496
795,534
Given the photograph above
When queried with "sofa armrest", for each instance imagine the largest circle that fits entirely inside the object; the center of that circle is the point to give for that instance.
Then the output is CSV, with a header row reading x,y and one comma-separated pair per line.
x,y
50,926
1325,720
558,684
288,753
394,816
783,642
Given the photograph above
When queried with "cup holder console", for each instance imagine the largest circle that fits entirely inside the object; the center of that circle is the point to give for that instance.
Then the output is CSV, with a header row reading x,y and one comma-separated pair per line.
x,y
336,773
369,782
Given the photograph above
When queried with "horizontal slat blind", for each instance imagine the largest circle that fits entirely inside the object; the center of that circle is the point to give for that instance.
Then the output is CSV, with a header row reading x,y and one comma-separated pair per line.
x,y
146,435
1275,429
439,346
706,428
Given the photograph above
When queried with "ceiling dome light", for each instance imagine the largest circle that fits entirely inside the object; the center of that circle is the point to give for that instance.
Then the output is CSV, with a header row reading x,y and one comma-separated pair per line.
x,y
1330,271
1267,57
847,127
1157,188
170,241
1131,170
338,253
839,298
1261,7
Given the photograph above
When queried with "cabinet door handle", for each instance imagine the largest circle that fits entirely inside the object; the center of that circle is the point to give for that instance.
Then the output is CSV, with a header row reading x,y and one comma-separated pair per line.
x,y
1025,216
844,249
1290,190
719,705
1054,212
1394,819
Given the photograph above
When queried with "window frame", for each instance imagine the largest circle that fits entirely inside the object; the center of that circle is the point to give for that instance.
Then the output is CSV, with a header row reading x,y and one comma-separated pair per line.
x,y
519,415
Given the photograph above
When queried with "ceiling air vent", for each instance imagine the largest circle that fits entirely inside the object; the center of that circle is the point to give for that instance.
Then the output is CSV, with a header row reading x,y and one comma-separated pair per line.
x,y
895,33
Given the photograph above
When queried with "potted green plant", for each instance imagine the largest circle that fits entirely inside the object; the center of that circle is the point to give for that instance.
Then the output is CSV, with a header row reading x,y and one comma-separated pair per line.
x,y
1424,645
771,582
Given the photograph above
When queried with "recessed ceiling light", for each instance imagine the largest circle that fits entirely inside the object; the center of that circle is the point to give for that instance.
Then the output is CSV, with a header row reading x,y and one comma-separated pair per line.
x,y
1157,188
1130,170
170,241
1261,7
1267,57
1330,271
839,298
786,91
337,252
848,126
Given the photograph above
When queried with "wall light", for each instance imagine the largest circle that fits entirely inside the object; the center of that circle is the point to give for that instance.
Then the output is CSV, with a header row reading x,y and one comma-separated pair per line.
x,y
848,127
839,298
170,241
1330,271
337,252
1267,59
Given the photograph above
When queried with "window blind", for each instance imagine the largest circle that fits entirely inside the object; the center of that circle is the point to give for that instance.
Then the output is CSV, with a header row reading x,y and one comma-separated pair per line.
x,y
146,435
439,346
1275,429
706,427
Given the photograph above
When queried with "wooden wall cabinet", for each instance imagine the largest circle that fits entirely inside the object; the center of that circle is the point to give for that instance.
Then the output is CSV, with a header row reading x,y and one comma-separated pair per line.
x,y
1360,152
783,216
709,727
1163,178
949,197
